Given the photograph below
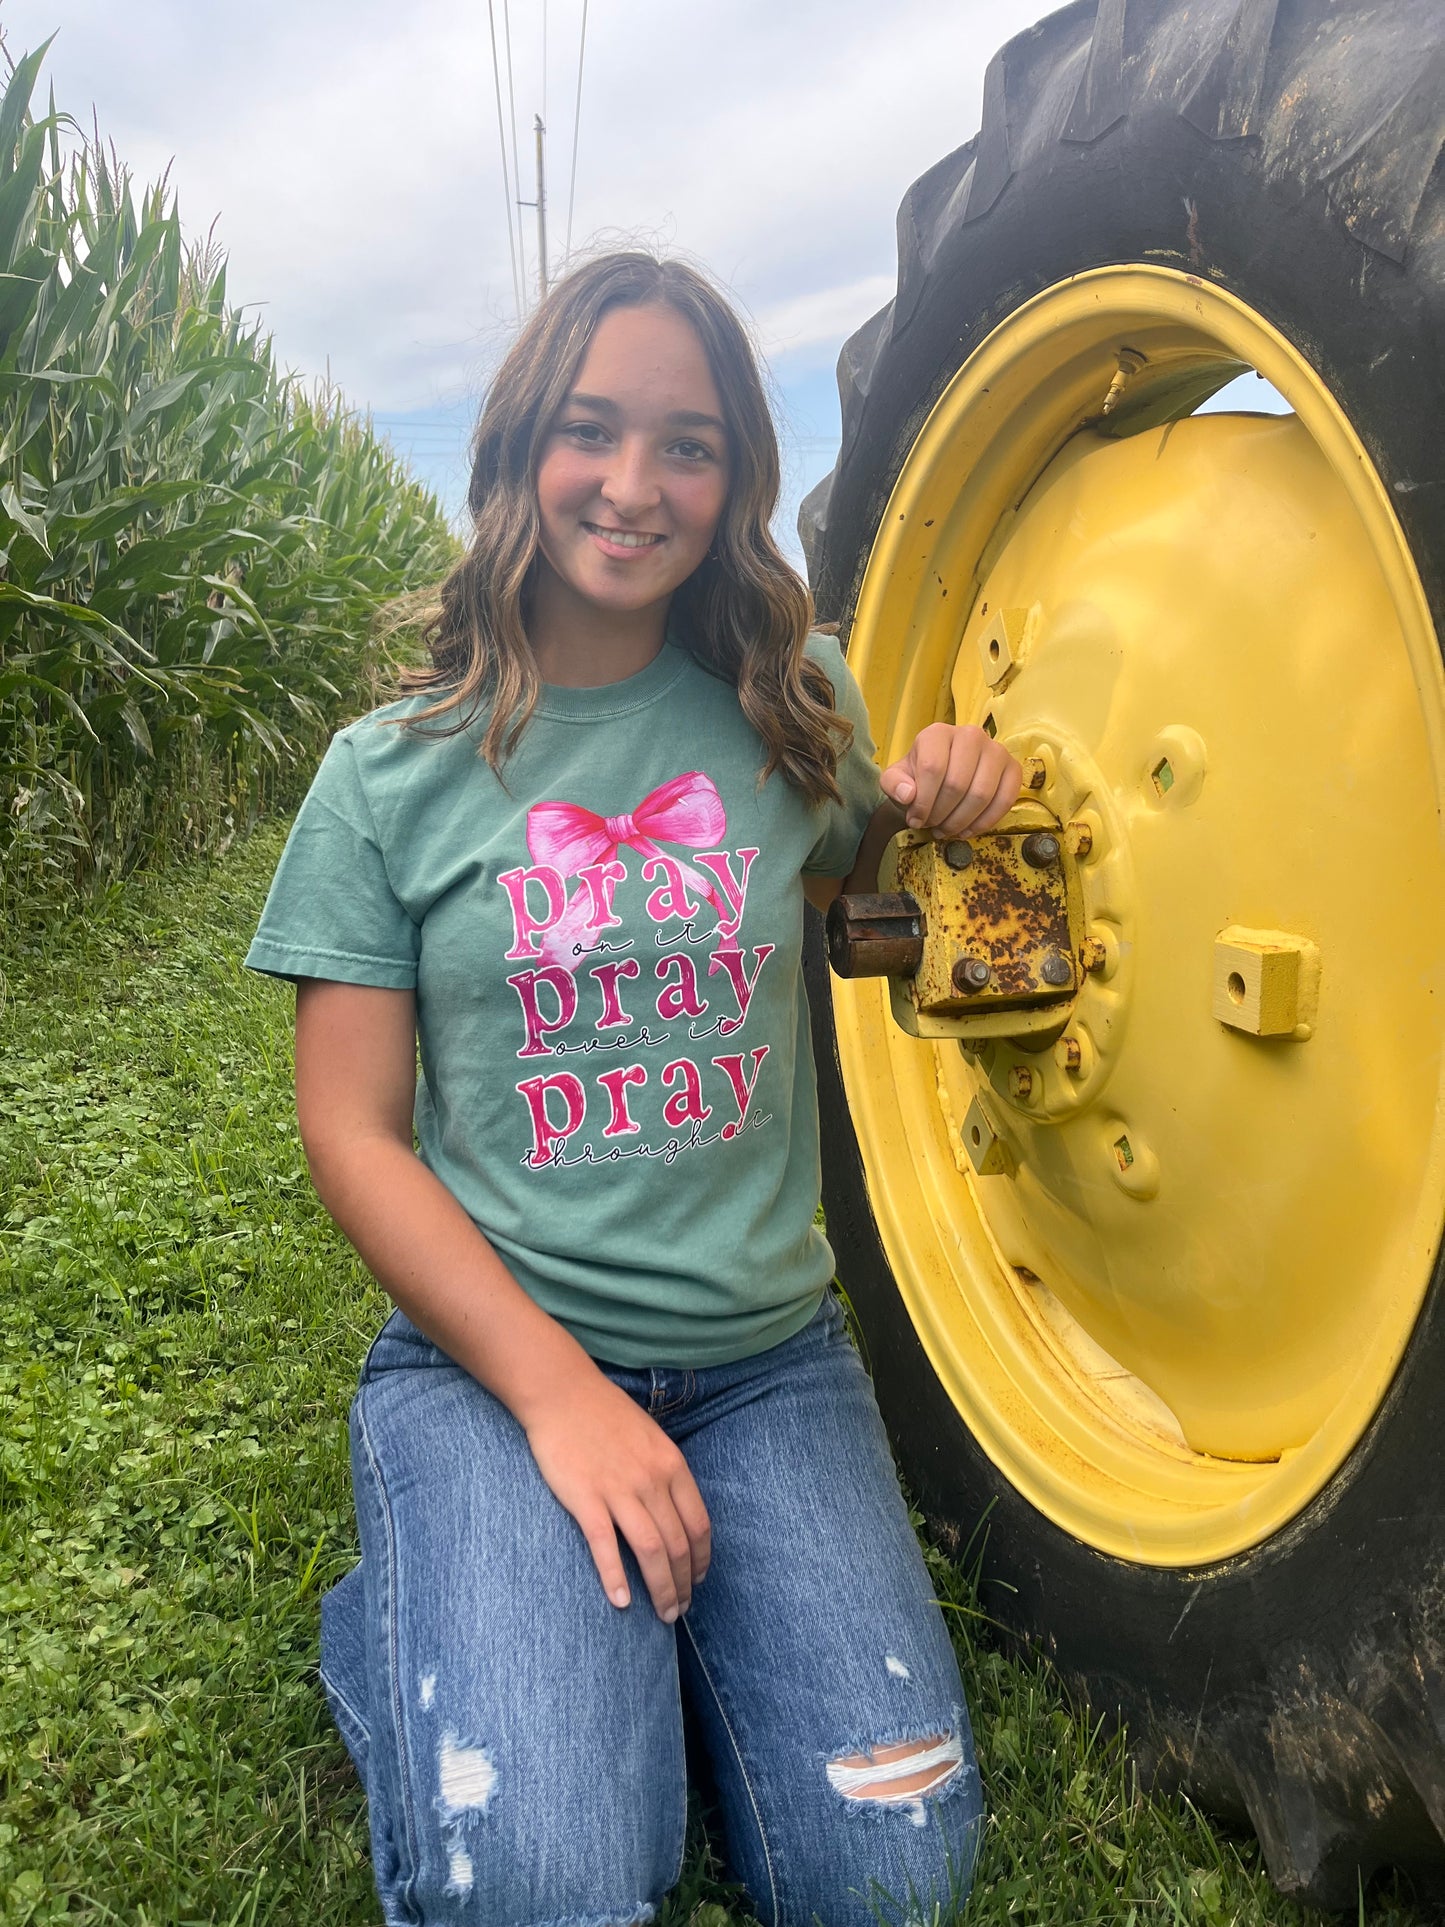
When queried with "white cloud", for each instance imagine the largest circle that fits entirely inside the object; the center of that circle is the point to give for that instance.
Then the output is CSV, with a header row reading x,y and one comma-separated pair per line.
x,y
350,149
820,315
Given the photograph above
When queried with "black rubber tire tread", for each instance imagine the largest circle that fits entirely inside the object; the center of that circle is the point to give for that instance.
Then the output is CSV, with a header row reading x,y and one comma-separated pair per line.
x,y
1291,151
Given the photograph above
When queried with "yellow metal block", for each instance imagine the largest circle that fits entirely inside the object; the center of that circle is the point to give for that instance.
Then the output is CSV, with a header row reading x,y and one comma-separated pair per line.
x,y
1001,646
1265,982
987,1152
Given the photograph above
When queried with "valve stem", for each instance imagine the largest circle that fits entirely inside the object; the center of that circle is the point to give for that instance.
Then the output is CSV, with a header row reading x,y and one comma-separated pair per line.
x,y
1130,362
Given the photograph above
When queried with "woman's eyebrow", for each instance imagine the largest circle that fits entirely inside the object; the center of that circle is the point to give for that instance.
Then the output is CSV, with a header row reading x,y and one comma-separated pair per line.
x,y
679,418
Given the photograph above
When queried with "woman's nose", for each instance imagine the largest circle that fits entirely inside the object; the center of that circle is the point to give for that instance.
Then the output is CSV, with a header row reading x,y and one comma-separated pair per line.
x,y
631,484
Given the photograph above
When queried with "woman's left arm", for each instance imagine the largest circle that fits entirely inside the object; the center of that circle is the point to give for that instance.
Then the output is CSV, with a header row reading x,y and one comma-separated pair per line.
x,y
952,781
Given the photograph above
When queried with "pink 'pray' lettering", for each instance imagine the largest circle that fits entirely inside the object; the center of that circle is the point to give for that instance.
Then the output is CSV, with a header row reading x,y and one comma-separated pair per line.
x,y
680,999
743,1085
563,986
733,962
621,1123
547,1136
719,866
606,976
526,927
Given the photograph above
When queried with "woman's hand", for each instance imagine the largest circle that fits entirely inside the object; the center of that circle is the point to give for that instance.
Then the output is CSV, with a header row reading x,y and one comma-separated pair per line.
x,y
953,781
616,1471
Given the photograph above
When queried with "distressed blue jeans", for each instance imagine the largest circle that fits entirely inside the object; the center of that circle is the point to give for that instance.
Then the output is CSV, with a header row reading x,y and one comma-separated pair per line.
x,y
521,1739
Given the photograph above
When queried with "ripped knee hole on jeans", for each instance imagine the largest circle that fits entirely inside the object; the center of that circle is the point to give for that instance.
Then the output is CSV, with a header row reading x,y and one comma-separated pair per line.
x,y
900,1774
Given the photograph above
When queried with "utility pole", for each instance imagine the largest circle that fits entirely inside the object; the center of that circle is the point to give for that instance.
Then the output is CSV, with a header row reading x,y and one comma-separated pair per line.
x,y
541,209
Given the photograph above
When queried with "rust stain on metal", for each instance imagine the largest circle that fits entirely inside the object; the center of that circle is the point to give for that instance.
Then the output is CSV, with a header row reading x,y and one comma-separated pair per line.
x,y
999,909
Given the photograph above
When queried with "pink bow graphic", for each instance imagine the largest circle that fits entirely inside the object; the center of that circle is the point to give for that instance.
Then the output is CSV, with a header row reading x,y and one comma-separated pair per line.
x,y
685,809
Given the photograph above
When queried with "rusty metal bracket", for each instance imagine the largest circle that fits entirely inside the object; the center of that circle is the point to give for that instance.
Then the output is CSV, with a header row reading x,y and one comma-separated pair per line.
x,y
979,937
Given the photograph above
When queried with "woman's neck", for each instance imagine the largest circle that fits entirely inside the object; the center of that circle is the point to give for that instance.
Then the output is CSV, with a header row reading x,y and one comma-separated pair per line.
x,y
580,646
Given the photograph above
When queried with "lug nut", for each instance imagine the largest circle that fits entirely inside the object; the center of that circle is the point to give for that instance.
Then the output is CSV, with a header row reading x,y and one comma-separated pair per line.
x,y
1036,772
1056,971
1021,1081
1081,838
1071,1053
1092,954
1041,849
971,974
958,855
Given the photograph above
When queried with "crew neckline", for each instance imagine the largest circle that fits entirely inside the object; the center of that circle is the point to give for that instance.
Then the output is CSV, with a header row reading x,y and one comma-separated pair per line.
x,y
561,702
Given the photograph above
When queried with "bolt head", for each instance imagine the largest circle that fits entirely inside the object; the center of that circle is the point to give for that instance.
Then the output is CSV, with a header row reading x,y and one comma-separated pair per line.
x,y
1021,1081
1092,954
1056,971
958,854
1036,772
971,974
1041,850
1071,1053
1081,838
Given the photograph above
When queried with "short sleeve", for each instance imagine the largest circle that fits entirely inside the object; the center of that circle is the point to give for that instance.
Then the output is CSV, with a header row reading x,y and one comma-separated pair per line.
x,y
331,911
841,825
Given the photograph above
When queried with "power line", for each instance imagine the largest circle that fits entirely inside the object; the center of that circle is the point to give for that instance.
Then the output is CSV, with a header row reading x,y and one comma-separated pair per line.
x,y
507,191
541,209
512,103
576,124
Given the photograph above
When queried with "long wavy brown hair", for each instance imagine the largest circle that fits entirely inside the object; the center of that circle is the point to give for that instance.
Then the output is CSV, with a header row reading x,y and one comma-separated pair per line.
x,y
743,612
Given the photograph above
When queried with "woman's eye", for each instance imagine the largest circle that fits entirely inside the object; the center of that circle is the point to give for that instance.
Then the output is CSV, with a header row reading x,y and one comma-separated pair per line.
x,y
693,451
590,434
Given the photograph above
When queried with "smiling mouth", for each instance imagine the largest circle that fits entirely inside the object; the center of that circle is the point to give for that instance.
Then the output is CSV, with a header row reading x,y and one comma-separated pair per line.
x,y
624,538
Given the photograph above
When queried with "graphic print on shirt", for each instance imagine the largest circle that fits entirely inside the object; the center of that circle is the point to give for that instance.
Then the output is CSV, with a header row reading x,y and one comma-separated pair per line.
x,y
588,988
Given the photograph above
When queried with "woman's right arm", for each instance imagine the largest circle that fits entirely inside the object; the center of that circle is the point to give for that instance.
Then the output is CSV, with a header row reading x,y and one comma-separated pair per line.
x,y
605,1460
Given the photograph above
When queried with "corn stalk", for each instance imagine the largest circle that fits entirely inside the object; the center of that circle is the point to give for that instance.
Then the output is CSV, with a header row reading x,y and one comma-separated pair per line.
x,y
192,545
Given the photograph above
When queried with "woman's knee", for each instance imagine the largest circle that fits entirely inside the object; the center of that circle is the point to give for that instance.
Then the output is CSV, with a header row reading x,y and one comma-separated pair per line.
x,y
900,1838
493,1843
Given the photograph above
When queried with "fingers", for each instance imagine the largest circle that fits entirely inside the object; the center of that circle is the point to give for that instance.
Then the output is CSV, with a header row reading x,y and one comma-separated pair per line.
x,y
670,1534
1004,798
597,1530
663,1549
953,781
695,1522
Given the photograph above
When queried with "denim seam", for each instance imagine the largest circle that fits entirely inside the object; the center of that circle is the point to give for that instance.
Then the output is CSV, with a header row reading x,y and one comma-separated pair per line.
x,y
365,1373
681,1720
335,1692
742,1768
408,1818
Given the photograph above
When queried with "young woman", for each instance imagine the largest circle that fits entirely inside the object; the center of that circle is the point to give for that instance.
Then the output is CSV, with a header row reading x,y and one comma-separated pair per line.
x,y
615,1459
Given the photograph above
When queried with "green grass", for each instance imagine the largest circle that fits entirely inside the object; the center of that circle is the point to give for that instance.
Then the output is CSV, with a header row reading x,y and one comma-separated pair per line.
x,y
180,1330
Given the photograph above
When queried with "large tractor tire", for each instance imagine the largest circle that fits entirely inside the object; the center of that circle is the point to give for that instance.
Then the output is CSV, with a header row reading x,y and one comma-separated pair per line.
x,y
1171,1328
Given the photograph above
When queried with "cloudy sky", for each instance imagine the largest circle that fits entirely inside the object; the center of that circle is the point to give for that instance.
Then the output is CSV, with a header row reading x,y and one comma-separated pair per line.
x,y
348,152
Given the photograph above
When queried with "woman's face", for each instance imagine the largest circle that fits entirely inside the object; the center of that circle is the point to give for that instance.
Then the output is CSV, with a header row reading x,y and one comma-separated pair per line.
x,y
634,468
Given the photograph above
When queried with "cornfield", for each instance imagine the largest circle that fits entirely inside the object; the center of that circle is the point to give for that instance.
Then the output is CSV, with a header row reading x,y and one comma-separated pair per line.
x,y
193,545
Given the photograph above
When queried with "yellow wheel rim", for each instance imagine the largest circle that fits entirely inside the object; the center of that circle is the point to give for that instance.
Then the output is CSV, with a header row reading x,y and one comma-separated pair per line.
x,y
1172,1317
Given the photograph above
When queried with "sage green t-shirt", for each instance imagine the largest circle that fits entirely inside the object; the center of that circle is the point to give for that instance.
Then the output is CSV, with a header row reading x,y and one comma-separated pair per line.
x,y
616,1069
